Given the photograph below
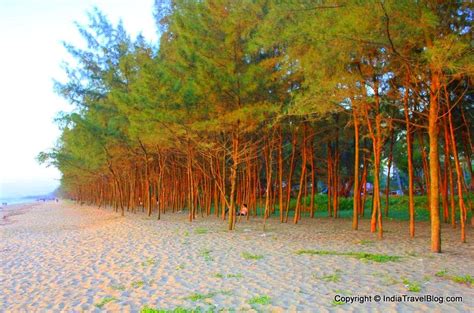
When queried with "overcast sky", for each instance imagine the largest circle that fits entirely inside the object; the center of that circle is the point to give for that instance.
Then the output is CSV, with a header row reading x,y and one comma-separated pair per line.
x,y
31,53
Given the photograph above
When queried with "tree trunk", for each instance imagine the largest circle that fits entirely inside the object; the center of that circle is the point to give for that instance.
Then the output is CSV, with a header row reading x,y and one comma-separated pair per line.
x,y
434,175
302,177
233,178
290,174
280,174
411,199
459,175
389,167
356,198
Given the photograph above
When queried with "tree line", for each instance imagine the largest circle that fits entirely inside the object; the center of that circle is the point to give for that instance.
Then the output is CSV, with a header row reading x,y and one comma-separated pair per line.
x,y
269,103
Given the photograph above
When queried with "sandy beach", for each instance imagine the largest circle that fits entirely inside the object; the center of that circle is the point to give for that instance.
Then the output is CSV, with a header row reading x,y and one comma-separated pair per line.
x,y
65,257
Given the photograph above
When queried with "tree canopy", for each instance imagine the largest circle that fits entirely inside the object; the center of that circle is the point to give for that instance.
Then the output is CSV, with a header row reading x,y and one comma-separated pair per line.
x,y
259,102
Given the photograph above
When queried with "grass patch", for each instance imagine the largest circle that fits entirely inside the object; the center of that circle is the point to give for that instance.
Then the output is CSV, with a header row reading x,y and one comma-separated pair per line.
x,y
250,256
336,303
104,301
342,292
380,258
200,231
442,273
206,253
412,286
317,252
149,262
364,256
199,296
238,275
262,300
466,279
365,242
334,278
138,284
398,207
220,275
147,309
118,287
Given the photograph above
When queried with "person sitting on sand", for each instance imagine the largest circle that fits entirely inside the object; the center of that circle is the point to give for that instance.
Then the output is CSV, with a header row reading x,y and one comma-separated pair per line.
x,y
244,210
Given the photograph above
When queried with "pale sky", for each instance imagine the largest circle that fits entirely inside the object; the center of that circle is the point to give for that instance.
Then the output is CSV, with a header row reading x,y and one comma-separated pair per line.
x,y
31,53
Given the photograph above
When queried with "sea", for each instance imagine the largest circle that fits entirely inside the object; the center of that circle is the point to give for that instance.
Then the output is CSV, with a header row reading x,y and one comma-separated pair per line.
x,y
19,200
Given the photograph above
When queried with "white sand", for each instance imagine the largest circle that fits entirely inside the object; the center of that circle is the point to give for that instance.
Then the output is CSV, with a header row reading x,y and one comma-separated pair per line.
x,y
64,257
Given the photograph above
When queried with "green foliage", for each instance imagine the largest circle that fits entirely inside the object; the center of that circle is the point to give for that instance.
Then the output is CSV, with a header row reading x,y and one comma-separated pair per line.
x,y
461,279
317,252
442,273
206,253
149,262
200,231
380,258
104,301
412,286
334,278
250,256
147,309
262,300
200,296
365,242
398,207
337,303
138,284
229,71
118,287
466,279
219,275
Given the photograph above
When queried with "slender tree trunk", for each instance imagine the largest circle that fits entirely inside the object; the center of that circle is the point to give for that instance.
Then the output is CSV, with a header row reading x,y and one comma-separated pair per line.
x,y
389,167
268,159
280,173
329,181
336,173
426,166
290,174
434,188
302,177
356,199
459,175
313,181
233,178
447,168
376,136
411,199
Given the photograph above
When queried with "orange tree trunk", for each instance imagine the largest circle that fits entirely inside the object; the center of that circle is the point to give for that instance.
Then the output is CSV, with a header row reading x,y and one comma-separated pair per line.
x,y
433,164
356,199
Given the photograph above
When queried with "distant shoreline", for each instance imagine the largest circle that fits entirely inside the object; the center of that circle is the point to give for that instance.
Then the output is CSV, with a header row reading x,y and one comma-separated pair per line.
x,y
23,200
13,209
